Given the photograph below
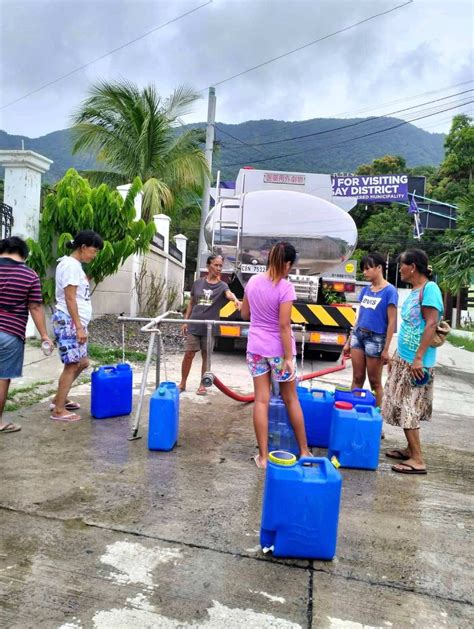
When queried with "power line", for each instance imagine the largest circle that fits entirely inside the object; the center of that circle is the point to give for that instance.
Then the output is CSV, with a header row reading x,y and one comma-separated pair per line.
x,y
297,125
235,138
107,54
315,41
352,124
400,124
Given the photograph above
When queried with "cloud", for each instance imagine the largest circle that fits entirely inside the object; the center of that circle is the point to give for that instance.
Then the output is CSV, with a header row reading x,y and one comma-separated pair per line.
x,y
424,46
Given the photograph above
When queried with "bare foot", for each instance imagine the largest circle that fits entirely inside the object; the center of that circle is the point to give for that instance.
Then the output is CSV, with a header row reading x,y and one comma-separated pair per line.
x,y
259,462
416,465
399,455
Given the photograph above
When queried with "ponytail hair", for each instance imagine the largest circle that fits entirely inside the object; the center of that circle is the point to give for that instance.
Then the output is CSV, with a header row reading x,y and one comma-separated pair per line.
x,y
280,254
88,238
419,258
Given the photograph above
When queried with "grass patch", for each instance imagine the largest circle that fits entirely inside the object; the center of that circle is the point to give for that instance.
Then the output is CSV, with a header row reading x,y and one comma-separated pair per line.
x,y
461,341
26,400
111,355
28,389
33,342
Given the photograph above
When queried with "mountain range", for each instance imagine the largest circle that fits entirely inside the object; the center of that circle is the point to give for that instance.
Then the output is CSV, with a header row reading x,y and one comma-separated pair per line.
x,y
323,145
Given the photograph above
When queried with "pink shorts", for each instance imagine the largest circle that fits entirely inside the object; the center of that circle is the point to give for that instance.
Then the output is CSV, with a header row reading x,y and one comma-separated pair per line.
x,y
259,365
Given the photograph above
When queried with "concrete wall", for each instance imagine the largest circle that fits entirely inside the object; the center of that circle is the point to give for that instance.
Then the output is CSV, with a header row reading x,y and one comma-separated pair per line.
x,y
118,293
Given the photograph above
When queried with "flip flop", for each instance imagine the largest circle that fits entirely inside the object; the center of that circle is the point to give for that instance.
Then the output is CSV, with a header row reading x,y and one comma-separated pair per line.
x,y
10,428
397,455
256,459
71,417
201,391
69,406
409,469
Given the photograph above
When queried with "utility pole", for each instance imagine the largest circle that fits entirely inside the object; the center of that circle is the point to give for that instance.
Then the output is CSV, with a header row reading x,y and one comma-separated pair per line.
x,y
211,117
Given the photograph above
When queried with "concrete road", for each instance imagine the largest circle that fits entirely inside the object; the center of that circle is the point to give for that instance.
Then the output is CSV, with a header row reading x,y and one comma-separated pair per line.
x,y
99,532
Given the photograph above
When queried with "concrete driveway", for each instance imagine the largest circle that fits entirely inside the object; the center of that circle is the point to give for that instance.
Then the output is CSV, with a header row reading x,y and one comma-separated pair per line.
x,y
97,531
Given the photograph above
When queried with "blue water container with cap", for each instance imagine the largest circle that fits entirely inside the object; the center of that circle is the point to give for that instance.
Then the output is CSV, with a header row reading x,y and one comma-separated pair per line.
x,y
355,396
163,422
111,391
355,435
316,405
300,511
280,431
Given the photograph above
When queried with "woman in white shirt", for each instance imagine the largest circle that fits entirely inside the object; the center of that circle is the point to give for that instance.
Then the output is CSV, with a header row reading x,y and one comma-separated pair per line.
x,y
71,317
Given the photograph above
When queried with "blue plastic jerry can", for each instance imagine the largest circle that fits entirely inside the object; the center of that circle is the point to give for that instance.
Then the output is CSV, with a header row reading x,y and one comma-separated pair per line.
x,y
111,391
300,511
355,435
280,430
355,396
316,405
163,423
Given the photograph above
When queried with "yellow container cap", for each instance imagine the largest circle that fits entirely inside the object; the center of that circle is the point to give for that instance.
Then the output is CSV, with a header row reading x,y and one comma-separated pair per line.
x,y
281,457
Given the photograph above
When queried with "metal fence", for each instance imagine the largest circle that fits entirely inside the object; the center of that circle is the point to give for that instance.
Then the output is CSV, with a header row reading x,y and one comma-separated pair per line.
x,y
158,241
175,253
6,220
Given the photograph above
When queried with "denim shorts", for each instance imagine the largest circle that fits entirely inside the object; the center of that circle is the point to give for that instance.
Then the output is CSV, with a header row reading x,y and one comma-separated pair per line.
x,y
371,343
12,350
258,365
70,351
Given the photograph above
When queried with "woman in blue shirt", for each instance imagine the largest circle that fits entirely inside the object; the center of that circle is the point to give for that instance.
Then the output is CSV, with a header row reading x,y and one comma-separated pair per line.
x,y
369,343
408,395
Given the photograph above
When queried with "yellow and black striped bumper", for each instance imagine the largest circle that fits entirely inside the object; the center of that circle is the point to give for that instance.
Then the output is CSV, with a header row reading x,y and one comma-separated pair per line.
x,y
307,314
329,316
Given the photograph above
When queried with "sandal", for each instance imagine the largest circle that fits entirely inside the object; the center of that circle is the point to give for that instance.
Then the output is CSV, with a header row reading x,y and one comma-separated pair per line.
x,y
69,406
71,417
201,390
10,427
408,469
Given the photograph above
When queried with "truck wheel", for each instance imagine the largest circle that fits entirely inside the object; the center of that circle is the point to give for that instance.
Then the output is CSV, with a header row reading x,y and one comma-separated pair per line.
x,y
224,344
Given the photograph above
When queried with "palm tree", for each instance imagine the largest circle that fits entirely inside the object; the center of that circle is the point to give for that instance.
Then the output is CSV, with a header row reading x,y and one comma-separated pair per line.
x,y
136,133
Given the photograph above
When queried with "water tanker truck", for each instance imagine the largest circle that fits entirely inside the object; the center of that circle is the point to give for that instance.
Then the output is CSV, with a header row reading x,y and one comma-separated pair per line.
x,y
243,227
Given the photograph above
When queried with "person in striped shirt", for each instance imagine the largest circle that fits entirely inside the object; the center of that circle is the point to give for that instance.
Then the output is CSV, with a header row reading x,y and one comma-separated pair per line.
x,y
20,294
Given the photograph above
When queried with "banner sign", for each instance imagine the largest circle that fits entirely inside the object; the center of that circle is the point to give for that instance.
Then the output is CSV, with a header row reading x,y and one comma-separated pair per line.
x,y
298,180
371,187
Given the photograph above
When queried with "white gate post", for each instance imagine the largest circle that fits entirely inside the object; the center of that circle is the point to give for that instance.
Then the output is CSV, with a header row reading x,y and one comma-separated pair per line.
x,y
22,189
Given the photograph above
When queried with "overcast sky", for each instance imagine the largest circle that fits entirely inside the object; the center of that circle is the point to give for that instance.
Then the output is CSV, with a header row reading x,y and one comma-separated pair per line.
x,y
423,49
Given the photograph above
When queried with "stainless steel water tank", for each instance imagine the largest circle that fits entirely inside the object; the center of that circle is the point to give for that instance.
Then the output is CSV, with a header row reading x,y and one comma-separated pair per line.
x,y
243,229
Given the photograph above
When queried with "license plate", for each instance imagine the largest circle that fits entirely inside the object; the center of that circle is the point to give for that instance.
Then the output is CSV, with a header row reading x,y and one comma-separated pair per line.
x,y
324,337
253,268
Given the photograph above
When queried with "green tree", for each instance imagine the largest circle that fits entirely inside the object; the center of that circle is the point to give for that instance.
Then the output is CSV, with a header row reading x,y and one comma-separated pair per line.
x,y
455,172
73,206
136,133
386,165
455,266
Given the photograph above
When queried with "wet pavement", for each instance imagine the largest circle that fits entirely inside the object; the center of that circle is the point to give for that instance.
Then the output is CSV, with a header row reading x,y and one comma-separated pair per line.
x,y
99,532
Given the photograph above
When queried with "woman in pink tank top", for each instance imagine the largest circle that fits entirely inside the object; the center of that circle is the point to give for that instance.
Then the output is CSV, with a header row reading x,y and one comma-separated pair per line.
x,y
271,349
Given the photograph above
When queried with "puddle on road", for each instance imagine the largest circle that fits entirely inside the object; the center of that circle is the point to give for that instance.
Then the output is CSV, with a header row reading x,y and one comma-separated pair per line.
x,y
219,616
134,562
